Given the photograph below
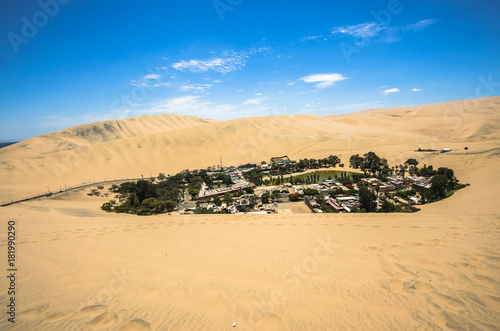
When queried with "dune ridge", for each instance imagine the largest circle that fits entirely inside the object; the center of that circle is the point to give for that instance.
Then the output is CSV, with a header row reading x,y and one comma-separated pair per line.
x,y
83,269
170,143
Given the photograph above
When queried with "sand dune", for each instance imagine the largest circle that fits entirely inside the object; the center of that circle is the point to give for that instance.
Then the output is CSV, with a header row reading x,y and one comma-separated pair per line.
x,y
83,269
169,143
97,271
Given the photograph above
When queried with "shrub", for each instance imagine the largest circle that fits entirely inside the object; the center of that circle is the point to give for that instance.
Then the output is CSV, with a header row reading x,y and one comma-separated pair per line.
x,y
310,191
388,207
107,206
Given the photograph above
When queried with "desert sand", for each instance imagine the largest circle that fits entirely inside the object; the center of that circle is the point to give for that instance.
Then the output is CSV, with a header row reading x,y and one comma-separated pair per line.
x,y
80,268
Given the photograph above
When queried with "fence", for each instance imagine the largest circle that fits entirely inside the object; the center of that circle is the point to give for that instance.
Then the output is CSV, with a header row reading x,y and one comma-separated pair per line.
x,y
49,194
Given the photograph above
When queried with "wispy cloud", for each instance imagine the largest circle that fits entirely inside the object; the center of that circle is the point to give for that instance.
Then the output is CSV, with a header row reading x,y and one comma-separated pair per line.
x,y
323,80
391,90
195,87
150,80
306,38
256,101
368,29
152,76
416,89
228,61
420,25
379,32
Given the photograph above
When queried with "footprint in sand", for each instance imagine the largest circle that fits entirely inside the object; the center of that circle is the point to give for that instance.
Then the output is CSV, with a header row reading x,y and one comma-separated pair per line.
x,y
419,286
92,311
485,279
59,316
103,321
371,248
136,325
33,313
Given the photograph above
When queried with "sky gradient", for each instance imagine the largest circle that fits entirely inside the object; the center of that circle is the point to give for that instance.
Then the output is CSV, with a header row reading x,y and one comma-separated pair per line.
x,y
64,63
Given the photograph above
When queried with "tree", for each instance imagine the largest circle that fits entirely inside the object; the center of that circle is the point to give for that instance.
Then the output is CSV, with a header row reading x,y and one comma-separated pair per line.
x,y
161,176
439,183
254,176
367,199
265,197
335,192
226,180
170,205
356,161
355,209
228,198
217,201
411,162
388,207
310,191
194,193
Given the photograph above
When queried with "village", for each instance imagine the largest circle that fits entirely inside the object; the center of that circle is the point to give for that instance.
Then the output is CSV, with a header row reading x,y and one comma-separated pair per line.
x,y
287,186
330,195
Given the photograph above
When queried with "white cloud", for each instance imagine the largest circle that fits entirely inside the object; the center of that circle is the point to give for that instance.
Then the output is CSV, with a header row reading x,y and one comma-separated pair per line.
x,y
152,76
379,32
306,38
368,29
416,89
419,25
291,83
228,62
391,90
195,87
257,101
258,93
323,80
149,84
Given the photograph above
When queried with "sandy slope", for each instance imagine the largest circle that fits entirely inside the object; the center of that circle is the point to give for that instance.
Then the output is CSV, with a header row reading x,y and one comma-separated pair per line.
x,y
80,268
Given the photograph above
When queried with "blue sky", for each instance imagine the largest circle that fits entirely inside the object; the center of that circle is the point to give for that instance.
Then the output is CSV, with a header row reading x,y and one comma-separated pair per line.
x,y
64,63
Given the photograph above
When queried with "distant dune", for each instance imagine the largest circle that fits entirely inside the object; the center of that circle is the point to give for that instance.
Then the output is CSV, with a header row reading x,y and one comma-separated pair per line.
x,y
169,143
